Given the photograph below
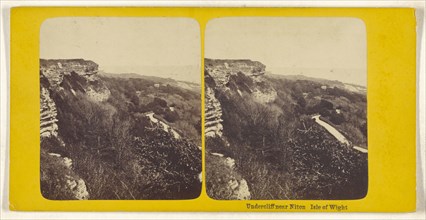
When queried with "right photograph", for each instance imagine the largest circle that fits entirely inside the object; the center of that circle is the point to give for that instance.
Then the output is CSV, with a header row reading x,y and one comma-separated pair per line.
x,y
286,108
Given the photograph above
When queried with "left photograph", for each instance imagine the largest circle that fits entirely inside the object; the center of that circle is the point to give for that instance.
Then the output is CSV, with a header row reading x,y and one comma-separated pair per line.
x,y
120,108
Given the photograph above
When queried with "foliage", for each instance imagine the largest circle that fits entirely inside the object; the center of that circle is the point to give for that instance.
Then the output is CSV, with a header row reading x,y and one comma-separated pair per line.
x,y
115,148
325,168
310,98
279,149
170,167
136,95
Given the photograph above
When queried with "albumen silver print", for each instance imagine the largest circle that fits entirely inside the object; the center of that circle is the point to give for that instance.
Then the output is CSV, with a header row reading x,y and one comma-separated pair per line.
x,y
120,108
286,108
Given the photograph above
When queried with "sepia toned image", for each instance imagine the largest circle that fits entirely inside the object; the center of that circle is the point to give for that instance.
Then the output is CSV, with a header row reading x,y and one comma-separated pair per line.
x,y
286,108
120,108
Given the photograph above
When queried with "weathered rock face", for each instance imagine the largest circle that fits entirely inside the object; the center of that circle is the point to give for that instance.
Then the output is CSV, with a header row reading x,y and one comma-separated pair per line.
x,y
77,70
213,115
55,70
228,183
48,113
220,70
229,80
52,76
240,76
225,82
75,185
61,76
65,183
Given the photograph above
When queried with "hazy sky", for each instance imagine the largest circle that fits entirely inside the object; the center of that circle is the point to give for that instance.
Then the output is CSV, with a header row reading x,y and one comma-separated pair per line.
x,y
331,48
164,47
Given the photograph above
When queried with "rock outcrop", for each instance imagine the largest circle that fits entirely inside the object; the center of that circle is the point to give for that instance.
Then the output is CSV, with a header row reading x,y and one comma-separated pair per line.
x,y
75,75
213,115
220,70
65,184
240,76
73,183
48,113
66,76
234,77
228,184
56,75
237,77
54,70
243,79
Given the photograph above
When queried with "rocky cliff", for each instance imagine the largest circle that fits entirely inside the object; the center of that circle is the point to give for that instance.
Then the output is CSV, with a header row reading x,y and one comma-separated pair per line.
x,y
227,80
64,76
75,75
221,70
240,76
48,113
213,115
55,69
244,78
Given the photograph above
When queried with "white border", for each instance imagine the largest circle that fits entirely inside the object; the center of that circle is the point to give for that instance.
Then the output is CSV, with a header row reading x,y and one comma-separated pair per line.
x,y
5,213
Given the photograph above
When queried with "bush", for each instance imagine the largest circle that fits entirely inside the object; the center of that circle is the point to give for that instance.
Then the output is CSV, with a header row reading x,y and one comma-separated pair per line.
x,y
118,151
282,152
326,169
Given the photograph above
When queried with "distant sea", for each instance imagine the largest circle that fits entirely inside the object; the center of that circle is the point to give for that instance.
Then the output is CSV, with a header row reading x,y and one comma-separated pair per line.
x,y
179,73
351,76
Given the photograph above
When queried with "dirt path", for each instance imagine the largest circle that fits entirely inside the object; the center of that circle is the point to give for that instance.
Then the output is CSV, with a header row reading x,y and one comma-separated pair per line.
x,y
339,136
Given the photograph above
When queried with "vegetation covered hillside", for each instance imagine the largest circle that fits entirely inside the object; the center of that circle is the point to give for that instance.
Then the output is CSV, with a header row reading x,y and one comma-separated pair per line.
x,y
116,138
279,150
